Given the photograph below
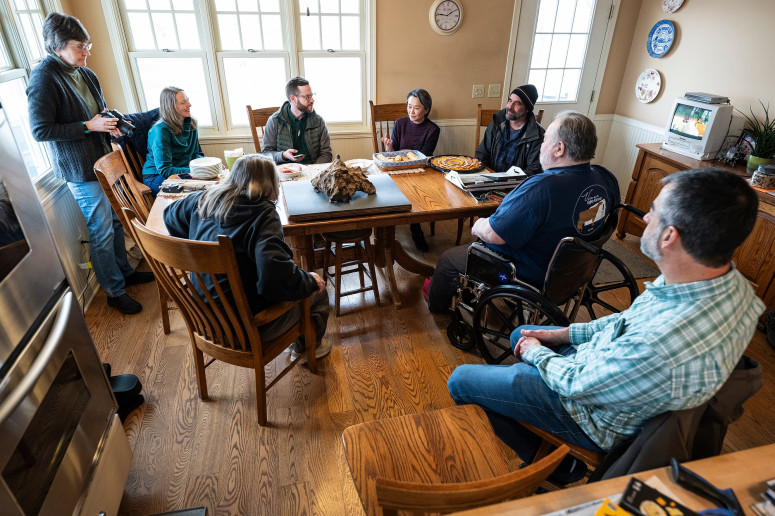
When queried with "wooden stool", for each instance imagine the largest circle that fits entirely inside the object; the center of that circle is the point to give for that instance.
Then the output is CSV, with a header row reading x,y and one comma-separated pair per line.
x,y
359,240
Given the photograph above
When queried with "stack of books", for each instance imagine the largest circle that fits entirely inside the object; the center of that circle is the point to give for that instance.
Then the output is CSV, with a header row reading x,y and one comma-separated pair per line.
x,y
482,181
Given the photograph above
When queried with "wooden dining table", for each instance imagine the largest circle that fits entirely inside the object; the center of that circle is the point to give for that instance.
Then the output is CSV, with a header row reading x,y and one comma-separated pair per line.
x,y
433,198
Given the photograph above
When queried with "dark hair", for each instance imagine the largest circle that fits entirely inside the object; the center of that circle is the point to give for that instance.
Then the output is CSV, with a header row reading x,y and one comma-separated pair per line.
x,y
713,210
60,28
292,88
423,96
578,133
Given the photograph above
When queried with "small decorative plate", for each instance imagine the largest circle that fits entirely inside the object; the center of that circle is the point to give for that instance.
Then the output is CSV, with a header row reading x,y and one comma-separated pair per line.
x,y
648,85
660,38
671,6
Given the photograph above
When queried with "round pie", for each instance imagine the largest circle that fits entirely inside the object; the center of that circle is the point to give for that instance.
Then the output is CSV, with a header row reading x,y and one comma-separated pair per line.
x,y
456,163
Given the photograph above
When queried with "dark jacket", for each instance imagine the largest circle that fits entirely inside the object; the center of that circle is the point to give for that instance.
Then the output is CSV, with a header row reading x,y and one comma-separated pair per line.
x,y
528,148
690,434
278,137
264,260
143,122
57,113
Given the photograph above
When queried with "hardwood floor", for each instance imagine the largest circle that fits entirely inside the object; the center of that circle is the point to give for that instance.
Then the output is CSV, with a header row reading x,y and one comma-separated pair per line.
x,y
384,362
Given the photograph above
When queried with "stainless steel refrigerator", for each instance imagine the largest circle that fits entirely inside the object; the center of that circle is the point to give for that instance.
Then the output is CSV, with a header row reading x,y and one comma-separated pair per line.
x,y
63,449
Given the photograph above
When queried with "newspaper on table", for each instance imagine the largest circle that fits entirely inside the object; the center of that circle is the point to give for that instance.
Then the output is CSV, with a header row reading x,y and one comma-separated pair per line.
x,y
487,180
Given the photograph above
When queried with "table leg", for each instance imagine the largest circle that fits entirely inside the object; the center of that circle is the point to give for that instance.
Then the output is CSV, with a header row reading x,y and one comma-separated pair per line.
x,y
303,252
383,243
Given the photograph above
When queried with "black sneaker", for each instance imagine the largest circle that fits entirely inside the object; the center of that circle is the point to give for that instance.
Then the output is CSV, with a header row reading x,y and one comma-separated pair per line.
x,y
570,471
137,277
124,304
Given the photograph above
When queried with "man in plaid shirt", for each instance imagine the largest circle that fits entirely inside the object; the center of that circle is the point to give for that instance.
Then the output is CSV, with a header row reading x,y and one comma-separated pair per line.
x,y
595,384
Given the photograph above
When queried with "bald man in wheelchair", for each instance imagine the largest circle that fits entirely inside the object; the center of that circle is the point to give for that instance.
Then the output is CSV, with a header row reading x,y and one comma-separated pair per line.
x,y
596,384
571,198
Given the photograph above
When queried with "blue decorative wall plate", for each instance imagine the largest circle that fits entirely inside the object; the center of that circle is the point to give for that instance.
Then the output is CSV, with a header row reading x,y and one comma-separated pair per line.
x,y
660,38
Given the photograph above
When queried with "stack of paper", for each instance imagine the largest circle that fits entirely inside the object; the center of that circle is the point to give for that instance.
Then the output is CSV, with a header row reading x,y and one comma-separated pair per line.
x,y
487,180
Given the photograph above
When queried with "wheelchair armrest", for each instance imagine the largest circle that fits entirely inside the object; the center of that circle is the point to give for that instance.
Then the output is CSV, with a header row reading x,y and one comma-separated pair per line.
x,y
632,209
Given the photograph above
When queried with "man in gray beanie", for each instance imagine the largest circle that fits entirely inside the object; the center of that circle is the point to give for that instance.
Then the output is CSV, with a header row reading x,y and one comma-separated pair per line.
x,y
514,137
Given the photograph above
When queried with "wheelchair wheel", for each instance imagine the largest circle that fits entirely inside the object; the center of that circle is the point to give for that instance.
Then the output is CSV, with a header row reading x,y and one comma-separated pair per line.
x,y
459,335
501,310
625,284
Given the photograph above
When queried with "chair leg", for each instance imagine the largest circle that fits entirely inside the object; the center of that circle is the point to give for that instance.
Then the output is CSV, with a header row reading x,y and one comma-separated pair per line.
x,y
326,265
359,258
258,367
165,311
338,279
433,228
199,370
372,271
460,223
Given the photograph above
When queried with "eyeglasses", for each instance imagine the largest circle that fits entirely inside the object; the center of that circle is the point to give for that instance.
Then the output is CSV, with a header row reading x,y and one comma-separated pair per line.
x,y
81,48
308,97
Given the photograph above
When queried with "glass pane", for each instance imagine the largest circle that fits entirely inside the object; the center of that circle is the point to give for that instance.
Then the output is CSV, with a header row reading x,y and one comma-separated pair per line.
x,y
329,6
350,6
247,5
351,33
254,81
541,46
251,31
583,18
228,28
164,28
576,51
330,29
20,5
537,78
135,4
565,11
142,33
183,5
156,73
14,100
189,36
273,32
272,6
546,14
159,5
312,5
310,33
224,5
336,100
570,85
4,63
32,5
559,50
37,21
552,85
30,36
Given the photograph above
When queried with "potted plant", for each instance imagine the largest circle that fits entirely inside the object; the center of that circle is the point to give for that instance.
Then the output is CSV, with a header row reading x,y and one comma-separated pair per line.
x,y
762,132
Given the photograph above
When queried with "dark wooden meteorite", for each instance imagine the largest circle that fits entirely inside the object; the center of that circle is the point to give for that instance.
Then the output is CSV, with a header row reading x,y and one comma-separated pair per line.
x,y
340,182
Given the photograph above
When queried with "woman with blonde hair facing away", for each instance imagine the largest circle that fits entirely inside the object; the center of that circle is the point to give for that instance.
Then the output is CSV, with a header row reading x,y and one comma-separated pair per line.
x,y
173,141
242,207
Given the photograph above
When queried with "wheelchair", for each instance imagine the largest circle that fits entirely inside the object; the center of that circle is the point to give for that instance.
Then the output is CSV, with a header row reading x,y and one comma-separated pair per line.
x,y
492,301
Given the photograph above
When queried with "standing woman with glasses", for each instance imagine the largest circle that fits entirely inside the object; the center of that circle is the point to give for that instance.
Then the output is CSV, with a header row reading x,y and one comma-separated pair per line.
x,y
173,141
65,102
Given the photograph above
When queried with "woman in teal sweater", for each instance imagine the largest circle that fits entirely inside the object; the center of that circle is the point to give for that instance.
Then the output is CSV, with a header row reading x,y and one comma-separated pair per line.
x,y
173,142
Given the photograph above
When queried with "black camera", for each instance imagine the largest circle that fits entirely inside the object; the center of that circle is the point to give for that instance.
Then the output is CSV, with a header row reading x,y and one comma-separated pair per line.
x,y
125,126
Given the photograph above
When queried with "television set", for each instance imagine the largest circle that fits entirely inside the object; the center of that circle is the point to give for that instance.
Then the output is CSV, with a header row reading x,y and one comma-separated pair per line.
x,y
698,129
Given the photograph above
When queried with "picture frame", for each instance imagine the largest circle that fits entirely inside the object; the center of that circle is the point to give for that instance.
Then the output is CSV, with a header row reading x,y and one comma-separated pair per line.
x,y
739,152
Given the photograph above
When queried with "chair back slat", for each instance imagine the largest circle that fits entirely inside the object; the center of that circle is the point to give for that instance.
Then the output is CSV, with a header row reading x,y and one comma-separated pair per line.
x,y
121,188
539,115
383,117
483,118
257,119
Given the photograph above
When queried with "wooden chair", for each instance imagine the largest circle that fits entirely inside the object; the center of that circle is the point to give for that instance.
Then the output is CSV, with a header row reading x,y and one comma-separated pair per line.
x,y
439,461
124,191
224,331
257,119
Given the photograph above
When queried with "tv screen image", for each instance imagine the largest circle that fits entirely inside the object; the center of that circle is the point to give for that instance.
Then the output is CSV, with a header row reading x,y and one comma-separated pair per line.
x,y
690,121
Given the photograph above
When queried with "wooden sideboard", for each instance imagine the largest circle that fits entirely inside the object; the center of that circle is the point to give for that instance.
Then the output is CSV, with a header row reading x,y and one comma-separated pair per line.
x,y
755,258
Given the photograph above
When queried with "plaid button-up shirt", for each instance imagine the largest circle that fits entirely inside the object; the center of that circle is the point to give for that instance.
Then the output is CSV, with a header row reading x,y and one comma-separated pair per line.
x,y
672,349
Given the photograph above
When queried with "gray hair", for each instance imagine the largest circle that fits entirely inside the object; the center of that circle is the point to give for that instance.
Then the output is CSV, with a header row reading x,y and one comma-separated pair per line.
x,y
713,211
60,28
292,88
578,133
253,176
167,112
423,96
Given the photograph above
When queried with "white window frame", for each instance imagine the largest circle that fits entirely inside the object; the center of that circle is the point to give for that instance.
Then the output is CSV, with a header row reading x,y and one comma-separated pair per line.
x,y
21,65
223,130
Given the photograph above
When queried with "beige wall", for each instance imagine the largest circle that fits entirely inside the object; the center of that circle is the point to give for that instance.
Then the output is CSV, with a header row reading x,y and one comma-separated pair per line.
x,y
721,47
410,55
626,21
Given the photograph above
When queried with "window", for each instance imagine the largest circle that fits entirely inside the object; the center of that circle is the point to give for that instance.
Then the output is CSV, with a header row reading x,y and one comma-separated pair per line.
x,y
228,54
21,48
559,48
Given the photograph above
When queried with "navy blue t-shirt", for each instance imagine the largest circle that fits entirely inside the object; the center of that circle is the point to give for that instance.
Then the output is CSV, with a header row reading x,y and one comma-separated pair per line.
x,y
545,208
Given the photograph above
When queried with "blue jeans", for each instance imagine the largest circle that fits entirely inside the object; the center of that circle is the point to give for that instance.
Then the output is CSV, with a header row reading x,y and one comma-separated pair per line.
x,y
512,393
154,183
106,237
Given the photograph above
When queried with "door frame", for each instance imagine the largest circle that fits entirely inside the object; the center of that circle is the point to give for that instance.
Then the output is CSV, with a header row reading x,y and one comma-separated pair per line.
x,y
599,73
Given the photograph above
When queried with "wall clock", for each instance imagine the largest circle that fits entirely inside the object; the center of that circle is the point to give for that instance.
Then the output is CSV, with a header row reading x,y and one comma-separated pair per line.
x,y
446,16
